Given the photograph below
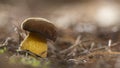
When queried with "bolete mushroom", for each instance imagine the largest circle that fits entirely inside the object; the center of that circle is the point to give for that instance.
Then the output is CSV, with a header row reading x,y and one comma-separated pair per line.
x,y
40,30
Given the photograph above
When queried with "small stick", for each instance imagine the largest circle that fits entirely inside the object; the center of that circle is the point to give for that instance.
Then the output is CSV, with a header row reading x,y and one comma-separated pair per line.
x,y
6,42
71,47
92,45
109,45
104,47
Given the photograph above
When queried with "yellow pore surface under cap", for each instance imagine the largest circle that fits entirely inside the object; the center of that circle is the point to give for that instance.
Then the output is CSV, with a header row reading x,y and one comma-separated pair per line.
x,y
35,44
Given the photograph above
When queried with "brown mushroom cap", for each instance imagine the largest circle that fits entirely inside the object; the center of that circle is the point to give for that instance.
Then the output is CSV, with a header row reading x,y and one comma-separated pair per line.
x,y
40,26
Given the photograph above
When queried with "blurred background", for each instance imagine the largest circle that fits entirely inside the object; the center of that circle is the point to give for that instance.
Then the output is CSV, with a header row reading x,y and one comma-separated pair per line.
x,y
88,18
85,15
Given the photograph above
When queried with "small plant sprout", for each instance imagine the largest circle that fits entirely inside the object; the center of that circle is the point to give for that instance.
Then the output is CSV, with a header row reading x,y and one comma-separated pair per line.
x,y
39,31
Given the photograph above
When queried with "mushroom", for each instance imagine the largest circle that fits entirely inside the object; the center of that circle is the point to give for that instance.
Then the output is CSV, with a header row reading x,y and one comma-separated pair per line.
x,y
40,30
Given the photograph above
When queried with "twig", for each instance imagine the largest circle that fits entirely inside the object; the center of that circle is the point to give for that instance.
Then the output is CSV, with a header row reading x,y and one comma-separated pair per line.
x,y
100,53
90,56
104,47
73,52
109,45
92,45
20,33
5,43
71,47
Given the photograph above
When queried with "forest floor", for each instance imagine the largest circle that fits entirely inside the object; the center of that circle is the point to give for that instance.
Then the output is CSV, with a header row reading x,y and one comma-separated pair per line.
x,y
71,50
